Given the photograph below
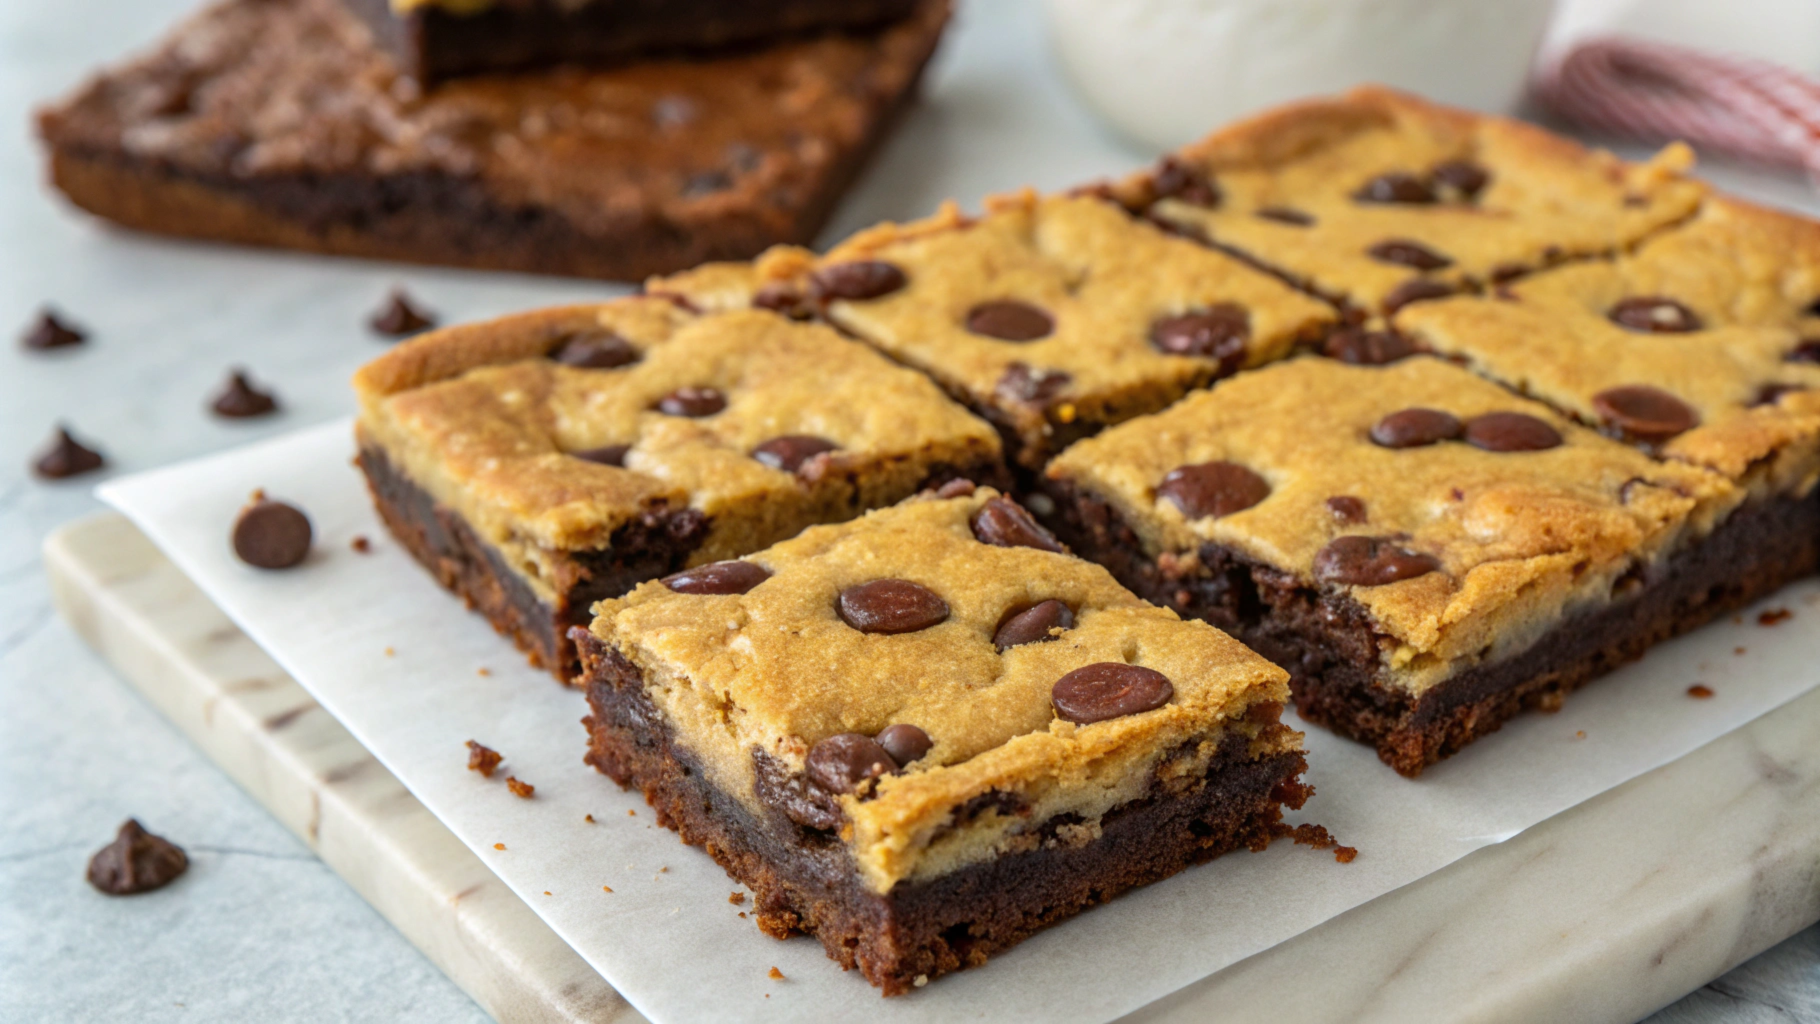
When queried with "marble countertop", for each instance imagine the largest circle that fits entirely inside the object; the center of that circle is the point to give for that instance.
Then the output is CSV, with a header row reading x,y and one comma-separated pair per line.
x,y
260,929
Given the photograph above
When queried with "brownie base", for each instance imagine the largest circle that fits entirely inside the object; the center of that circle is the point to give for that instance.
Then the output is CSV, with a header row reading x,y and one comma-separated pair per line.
x,y
1329,646
804,880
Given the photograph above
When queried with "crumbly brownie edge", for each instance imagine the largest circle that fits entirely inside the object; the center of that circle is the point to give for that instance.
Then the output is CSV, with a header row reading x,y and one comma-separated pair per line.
x,y
1327,644
804,881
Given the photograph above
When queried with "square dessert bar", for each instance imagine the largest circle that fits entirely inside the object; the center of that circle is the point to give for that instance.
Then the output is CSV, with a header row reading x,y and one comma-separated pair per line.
x,y
1426,552
1051,317
541,462
282,123
925,734
1378,199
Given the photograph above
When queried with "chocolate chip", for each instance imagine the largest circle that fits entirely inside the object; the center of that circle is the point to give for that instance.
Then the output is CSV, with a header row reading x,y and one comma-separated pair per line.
x,y
732,577
1463,177
1405,253
135,862
594,350
1218,332
789,452
1213,489
1033,625
692,402
609,455
1177,180
781,297
1414,428
1395,187
1027,385
1369,562
271,534
50,332
891,606
1286,215
1366,348
1808,351
1416,289
1346,509
1770,394
1010,320
239,399
66,457
959,487
840,763
1511,432
860,279
1109,689
400,317
1654,314
706,183
904,742
1645,413
1003,523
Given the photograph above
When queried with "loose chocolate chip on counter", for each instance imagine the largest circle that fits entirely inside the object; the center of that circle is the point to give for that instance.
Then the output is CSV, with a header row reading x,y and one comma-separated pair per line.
x,y
66,457
1462,177
904,742
1218,332
1177,180
1395,187
1415,428
1370,562
135,862
1010,320
1346,509
1645,413
239,399
692,402
594,350
1405,253
789,452
400,317
1027,385
1511,432
1213,489
1416,289
860,279
1033,625
1654,314
732,577
606,455
1286,215
1360,347
271,534
50,332
839,764
891,606
1808,351
1109,689
1004,523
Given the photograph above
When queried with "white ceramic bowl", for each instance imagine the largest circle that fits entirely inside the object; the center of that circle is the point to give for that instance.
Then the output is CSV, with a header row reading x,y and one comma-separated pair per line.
x,y
1167,71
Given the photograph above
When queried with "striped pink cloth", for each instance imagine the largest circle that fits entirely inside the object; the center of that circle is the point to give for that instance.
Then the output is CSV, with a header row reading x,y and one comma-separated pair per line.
x,y
1749,109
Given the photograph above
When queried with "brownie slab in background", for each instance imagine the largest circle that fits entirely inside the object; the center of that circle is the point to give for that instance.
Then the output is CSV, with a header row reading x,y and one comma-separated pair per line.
x,y
282,123
542,462
852,732
433,40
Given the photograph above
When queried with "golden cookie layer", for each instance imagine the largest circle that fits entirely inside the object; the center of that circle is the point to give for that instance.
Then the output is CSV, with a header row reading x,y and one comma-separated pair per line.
x,y
1522,537
777,670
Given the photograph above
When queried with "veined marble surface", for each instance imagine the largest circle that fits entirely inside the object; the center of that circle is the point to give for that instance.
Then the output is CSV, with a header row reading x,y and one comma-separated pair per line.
x,y
261,929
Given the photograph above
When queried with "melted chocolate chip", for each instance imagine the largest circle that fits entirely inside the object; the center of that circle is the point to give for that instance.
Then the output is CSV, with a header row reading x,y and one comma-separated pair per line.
x,y
1415,428
1654,314
1366,348
400,317
1395,187
1286,215
891,606
1645,413
271,535
860,279
1462,177
1416,289
66,457
1109,689
1511,432
135,862
1405,253
1218,332
1808,351
960,487
1027,385
239,399
594,350
1346,509
50,332
781,297
1770,394
1177,180
1032,625
731,577
608,455
1213,489
1004,523
904,742
789,452
840,763
1010,320
692,402
1370,562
